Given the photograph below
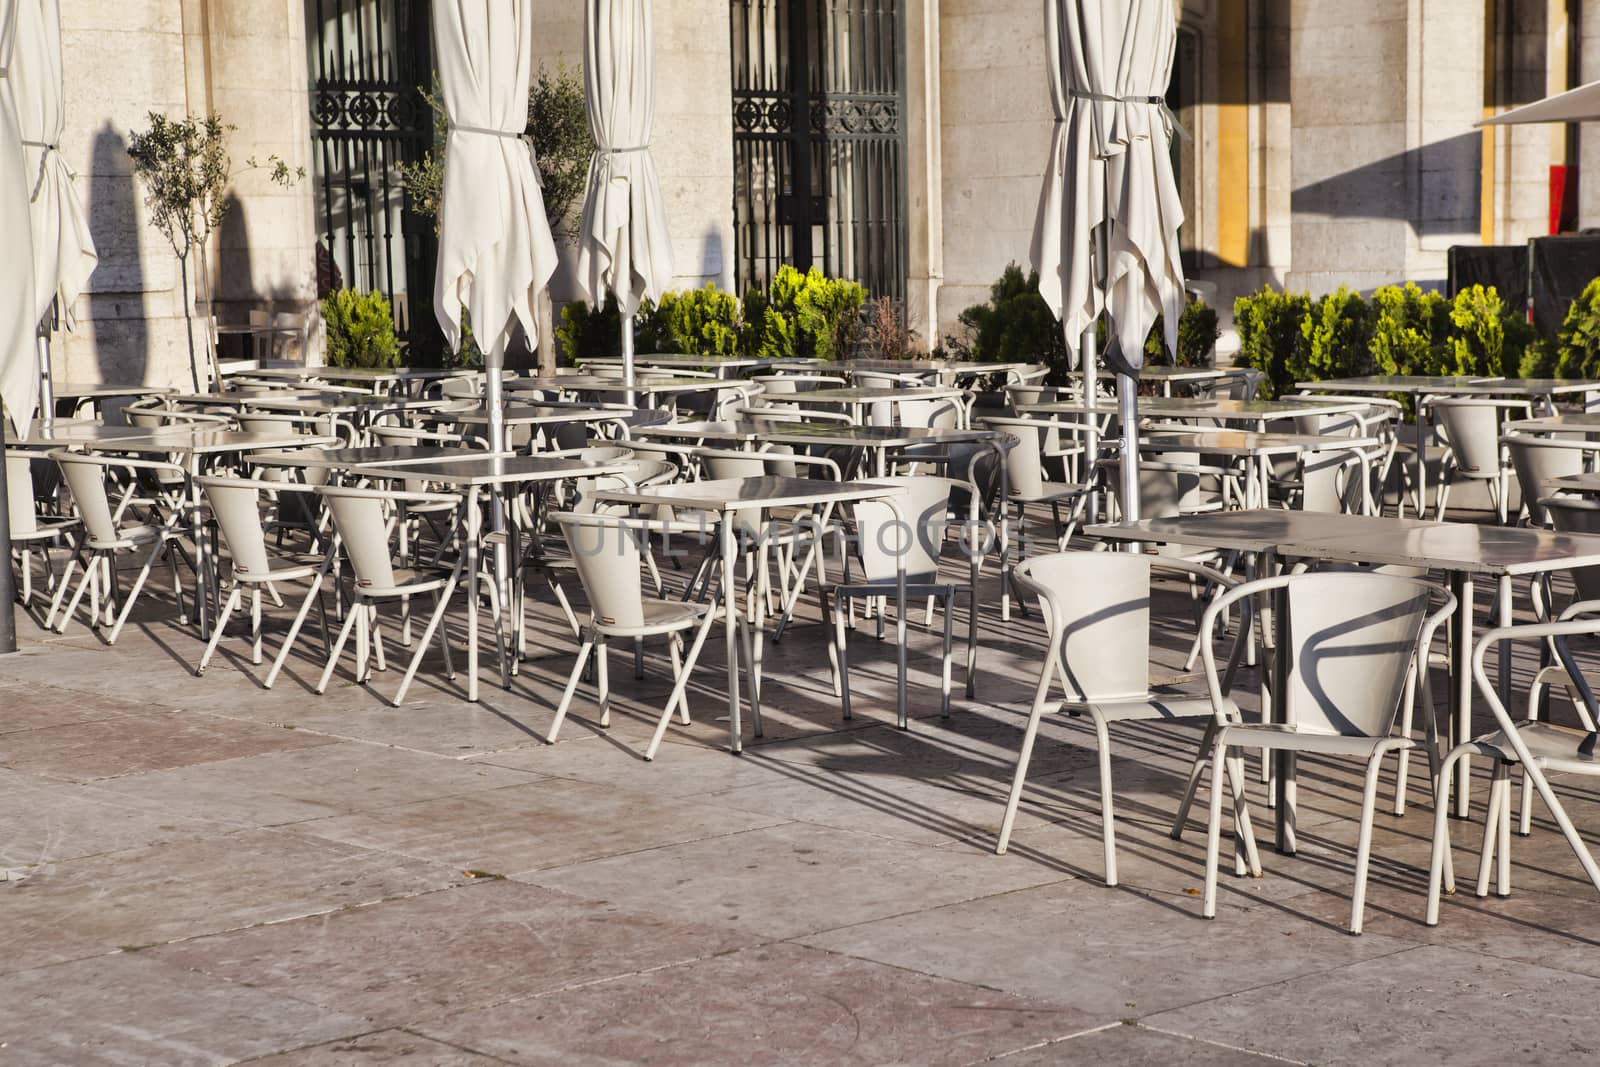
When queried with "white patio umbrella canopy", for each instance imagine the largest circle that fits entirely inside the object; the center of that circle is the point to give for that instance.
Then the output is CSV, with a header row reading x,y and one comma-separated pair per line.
x,y
63,250
1109,211
623,246
19,380
495,248
1575,105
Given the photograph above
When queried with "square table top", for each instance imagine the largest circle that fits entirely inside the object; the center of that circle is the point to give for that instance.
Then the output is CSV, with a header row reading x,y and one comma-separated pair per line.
x,y
1463,385
377,455
544,414
67,432
1581,421
98,390
343,405
1577,483
1249,443
500,468
743,494
1221,408
871,395
812,433
198,441
1451,546
357,374
665,359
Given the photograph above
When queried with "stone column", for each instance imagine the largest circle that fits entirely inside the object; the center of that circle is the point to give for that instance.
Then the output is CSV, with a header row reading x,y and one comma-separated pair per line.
x,y
1589,133
924,166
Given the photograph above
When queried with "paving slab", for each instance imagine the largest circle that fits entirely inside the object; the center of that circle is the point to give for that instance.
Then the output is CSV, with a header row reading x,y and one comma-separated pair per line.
x,y
773,1004
536,825
397,962
1136,1046
793,879
24,706
180,889
1429,1003
48,822
380,1049
129,1009
311,783
1110,951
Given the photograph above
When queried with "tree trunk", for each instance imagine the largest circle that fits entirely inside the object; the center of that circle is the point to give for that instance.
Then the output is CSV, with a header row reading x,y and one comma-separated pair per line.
x,y
202,278
188,321
547,334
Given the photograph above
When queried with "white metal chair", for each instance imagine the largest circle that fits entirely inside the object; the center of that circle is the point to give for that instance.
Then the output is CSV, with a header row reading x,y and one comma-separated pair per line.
x,y
1025,474
31,531
1353,640
1539,460
235,504
607,551
1096,609
107,535
1470,427
364,519
882,546
1539,748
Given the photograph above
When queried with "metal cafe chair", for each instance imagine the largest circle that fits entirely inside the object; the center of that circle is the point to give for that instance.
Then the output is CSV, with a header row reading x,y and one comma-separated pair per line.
x,y
608,551
1353,641
32,530
107,535
364,519
1096,608
235,505
1539,748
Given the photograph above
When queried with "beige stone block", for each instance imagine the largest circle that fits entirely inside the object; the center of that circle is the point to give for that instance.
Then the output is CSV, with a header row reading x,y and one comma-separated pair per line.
x,y
122,16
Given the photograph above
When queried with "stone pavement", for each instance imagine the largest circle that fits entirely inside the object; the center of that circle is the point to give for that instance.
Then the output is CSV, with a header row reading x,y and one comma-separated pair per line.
x,y
201,871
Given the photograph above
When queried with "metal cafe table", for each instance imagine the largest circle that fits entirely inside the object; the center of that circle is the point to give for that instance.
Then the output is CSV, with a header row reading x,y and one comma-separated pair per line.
x,y
1466,552
1586,422
494,473
379,380
1257,449
856,399
727,498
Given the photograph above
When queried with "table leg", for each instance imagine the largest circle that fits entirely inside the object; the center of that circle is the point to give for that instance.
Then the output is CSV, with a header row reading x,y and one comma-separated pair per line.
x,y
900,616
474,590
730,635
1422,458
1461,687
1273,614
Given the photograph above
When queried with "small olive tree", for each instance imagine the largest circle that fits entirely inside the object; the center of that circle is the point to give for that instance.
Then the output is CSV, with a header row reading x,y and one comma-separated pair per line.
x,y
185,169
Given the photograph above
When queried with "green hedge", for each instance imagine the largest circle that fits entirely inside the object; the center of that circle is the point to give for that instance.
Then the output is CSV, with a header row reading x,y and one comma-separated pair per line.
x,y
801,314
1291,338
360,330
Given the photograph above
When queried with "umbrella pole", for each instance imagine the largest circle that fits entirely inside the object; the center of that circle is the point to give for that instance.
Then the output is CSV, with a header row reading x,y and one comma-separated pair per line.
x,y
8,586
1088,360
627,358
1128,416
497,512
47,388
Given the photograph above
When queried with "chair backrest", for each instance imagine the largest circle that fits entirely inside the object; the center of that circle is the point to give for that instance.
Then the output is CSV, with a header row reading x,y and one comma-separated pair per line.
x,y
86,480
20,504
1352,637
361,517
1025,462
1096,607
1165,492
605,549
925,505
1241,386
1538,460
941,414
1570,514
236,503
1472,430
720,464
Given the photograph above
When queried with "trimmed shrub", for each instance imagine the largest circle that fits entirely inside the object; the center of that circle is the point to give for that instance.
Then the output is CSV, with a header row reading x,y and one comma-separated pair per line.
x,y
1578,343
1270,337
1409,329
824,313
360,330
701,322
1197,337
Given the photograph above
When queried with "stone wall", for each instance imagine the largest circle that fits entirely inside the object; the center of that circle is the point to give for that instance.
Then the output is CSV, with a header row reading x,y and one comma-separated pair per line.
x,y
995,126
244,59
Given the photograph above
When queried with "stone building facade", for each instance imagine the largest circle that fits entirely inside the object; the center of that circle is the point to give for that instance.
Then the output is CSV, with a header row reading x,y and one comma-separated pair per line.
x,y
1329,144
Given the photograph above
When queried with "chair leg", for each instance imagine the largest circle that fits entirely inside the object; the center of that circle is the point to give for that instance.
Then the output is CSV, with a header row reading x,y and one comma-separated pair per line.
x,y
603,678
1369,801
841,655
751,649
255,626
1014,799
91,580
1196,771
680,685
1403,766
1107,808
1208,902
1498,788
294,630
828,617
1503,851
949,620
572,685
1440,874
61,590
216,632
972,635
350,619
440,604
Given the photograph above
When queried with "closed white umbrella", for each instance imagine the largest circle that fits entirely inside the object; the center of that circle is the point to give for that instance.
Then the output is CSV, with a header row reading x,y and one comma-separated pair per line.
x,y
1107,233
63,250
18,382
495,248
623,246
19,379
